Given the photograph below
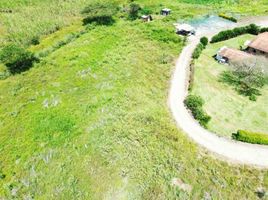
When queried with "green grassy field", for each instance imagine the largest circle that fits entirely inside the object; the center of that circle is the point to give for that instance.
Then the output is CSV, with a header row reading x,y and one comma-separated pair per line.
x,y
229,110
91,121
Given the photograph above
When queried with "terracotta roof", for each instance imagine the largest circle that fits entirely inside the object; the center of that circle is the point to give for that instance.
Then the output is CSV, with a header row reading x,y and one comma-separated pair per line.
x,y
233,54
260,43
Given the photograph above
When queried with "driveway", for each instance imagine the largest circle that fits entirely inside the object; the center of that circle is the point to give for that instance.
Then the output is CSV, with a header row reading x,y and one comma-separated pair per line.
x,y
229,150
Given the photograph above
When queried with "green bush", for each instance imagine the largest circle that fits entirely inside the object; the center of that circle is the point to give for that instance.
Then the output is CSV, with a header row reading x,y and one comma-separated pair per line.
x,y
100,13
204,41
228,17
264,30
133,11
195,103
251,137
16,58
198,50
228,34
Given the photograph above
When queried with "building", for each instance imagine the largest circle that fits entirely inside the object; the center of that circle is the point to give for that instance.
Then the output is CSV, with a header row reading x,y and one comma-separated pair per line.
x,y
259,46
146,18
185,29
165,11
227,55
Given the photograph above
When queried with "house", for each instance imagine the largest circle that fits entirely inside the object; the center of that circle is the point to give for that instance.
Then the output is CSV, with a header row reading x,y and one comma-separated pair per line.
x,y
185,29
259,46
146,18
227,55
165,11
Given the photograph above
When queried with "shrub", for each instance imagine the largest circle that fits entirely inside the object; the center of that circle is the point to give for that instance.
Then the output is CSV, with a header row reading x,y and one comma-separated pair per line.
x,y
198,50
195,103
16,58
146,11
250,137
264,30
100,13
204,41
228,34
35,40
133,12
228,17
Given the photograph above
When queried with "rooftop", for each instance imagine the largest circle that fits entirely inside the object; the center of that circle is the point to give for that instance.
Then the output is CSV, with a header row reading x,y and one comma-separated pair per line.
x,y
260,43
233,54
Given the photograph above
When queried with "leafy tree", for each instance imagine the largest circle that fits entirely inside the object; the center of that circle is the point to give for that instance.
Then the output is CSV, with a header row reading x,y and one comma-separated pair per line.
x,y
16,58
100,13
204,41
133,11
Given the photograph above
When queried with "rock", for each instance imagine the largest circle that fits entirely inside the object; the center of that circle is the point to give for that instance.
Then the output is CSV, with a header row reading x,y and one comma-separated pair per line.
x,y
180,184
261,192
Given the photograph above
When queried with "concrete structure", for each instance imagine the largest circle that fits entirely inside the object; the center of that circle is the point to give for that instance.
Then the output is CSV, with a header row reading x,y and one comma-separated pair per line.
x,y
185,29
146,18
165,11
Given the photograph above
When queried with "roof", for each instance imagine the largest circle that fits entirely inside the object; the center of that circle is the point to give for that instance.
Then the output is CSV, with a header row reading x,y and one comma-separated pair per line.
x,y
185,27
145,16
233,54
166,9
260,43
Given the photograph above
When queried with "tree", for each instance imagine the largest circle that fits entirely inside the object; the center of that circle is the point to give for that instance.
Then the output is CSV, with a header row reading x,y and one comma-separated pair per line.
x,y
100,13
16,58
133,11
204,41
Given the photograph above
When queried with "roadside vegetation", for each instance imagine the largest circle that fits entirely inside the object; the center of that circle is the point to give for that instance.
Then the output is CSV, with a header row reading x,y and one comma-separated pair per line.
x,y
251,137
90,119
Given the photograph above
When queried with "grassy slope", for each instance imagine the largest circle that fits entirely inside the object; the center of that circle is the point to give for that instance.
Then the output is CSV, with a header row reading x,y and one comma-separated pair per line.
x,y
229,110
111,135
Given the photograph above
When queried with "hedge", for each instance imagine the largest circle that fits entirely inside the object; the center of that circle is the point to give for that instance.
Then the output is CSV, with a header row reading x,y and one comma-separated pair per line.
x,y
228,34
228,17
194,104
251,137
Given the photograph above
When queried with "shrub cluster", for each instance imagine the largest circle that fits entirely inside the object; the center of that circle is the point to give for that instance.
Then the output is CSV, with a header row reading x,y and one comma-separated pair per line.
x,y
100,13
200,47
228,34
195,103
250,137
222,15
16,58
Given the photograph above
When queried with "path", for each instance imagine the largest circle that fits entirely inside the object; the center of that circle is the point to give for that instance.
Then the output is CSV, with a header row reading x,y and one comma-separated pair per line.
x,y
236,152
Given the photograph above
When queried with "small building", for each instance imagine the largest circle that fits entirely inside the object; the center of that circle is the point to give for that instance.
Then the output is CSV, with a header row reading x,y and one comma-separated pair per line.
x,y
259,46
165,11
227,55
147,18
185,29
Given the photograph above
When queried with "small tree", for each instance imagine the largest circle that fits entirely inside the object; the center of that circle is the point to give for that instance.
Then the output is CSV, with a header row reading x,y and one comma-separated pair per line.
x,y
204,41
133,11
16,58
100,13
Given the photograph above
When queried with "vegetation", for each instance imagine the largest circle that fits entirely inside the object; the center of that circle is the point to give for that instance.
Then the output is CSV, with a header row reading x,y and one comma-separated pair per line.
x,y
90,121
220,98
198,50
100,13
251,137
228,17
194,104
204,41
247,77
16,58
228,34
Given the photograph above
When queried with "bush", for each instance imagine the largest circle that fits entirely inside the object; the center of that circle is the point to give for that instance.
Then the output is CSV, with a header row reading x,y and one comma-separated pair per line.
x,y
195,103
133,12
250,137
100,13
204,41
228,17
35,40
198,50
228,34
264,30
16,58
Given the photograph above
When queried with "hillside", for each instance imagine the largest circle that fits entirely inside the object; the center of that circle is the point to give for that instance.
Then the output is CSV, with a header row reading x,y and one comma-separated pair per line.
x,y
91,121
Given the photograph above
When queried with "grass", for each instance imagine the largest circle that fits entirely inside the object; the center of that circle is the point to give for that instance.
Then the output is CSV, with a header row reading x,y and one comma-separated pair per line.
x,y
90,121
229,110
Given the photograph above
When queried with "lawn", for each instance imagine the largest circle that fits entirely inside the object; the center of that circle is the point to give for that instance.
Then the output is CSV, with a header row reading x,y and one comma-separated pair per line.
x,y
91,121
229,110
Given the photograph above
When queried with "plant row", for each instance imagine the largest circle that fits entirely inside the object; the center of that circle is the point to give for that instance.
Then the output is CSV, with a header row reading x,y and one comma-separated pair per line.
x,y
251,137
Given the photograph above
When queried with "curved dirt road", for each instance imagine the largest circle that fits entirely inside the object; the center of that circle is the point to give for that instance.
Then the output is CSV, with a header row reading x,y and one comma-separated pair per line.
x,y
236,152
